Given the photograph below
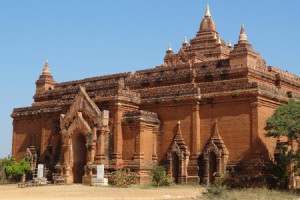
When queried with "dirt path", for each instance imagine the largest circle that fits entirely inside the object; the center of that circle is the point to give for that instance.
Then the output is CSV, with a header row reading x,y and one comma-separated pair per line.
x,y
78,192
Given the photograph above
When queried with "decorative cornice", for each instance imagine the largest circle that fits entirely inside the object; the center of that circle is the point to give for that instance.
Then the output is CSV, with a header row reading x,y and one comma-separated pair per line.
x,y
141,116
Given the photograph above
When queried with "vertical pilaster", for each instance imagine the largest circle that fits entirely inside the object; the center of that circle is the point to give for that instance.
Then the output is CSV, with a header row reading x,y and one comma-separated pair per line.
x,y
100,157
67,149
93,144
193,168
224,163
254,123
196,130
42,141
118,138
206,170
154,154
14,137
219,165
138,155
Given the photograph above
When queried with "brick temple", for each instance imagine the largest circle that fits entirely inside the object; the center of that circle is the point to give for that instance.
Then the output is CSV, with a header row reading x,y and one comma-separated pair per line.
x,y
201,112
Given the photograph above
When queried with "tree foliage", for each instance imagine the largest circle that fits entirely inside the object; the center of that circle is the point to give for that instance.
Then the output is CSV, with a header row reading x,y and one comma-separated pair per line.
x,y
3,163
159,176
285,122
18,168
122,176
11,170
10,166
278,170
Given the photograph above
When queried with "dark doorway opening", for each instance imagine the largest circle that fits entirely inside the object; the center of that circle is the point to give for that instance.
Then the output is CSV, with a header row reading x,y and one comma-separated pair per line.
x,y
212,167
79,156
175,167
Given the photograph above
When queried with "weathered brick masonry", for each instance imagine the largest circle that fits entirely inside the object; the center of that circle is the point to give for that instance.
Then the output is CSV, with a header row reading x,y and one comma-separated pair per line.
x,y
201,112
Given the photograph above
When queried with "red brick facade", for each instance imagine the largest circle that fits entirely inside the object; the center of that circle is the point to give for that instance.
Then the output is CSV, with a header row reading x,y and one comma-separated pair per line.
x,y
201,112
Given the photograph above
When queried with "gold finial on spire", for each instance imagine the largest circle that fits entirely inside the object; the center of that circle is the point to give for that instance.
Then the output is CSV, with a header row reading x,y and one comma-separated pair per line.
x,y
169,47
46,69
185,40
207,12
243,35
229,44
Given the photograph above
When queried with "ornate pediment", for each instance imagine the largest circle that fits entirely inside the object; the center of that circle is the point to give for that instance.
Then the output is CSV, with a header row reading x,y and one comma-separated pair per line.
x,y
85,105
79,123
178,158
178,145
215,156
215,143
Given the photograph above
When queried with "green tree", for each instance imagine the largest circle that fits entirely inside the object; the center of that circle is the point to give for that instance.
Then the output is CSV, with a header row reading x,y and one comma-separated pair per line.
x,y
18,168
3,163
284,122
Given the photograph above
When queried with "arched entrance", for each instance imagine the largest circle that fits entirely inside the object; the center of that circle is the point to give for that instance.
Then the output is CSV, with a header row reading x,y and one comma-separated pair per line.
x,y
79,156
79,128
178,158
215,156
175,167
212,160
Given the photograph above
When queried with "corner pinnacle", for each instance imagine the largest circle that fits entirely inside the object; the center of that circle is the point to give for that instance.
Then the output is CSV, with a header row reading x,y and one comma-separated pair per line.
x,y
46,69
243,35
185,40
229,44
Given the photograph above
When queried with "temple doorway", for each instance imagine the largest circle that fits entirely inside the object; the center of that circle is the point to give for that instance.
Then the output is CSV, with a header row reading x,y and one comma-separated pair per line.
x,y
79,156
175,167
212,159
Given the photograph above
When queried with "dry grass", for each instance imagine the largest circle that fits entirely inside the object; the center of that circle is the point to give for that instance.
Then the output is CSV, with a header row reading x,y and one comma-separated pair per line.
x,y
81,192
252,194
176,192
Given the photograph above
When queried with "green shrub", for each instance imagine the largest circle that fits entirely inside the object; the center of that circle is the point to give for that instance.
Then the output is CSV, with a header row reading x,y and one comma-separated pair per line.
x,y
12,170
232,180
3,164
159,176
229,180
216,189
3,179
18,168
122,176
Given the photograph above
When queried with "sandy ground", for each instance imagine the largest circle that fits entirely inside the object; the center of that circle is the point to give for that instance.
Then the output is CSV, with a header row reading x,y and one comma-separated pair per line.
x,y
76,192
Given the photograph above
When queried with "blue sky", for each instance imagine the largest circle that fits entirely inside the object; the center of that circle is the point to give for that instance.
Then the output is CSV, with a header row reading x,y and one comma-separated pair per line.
x,y
97,37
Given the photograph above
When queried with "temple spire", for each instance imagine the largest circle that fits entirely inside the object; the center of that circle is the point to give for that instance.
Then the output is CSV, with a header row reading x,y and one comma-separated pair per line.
x,y
46,69
169,47
178,129
207,12
45,81
215,132
207,23
185,43
185,40
243,35
229,44
178,136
